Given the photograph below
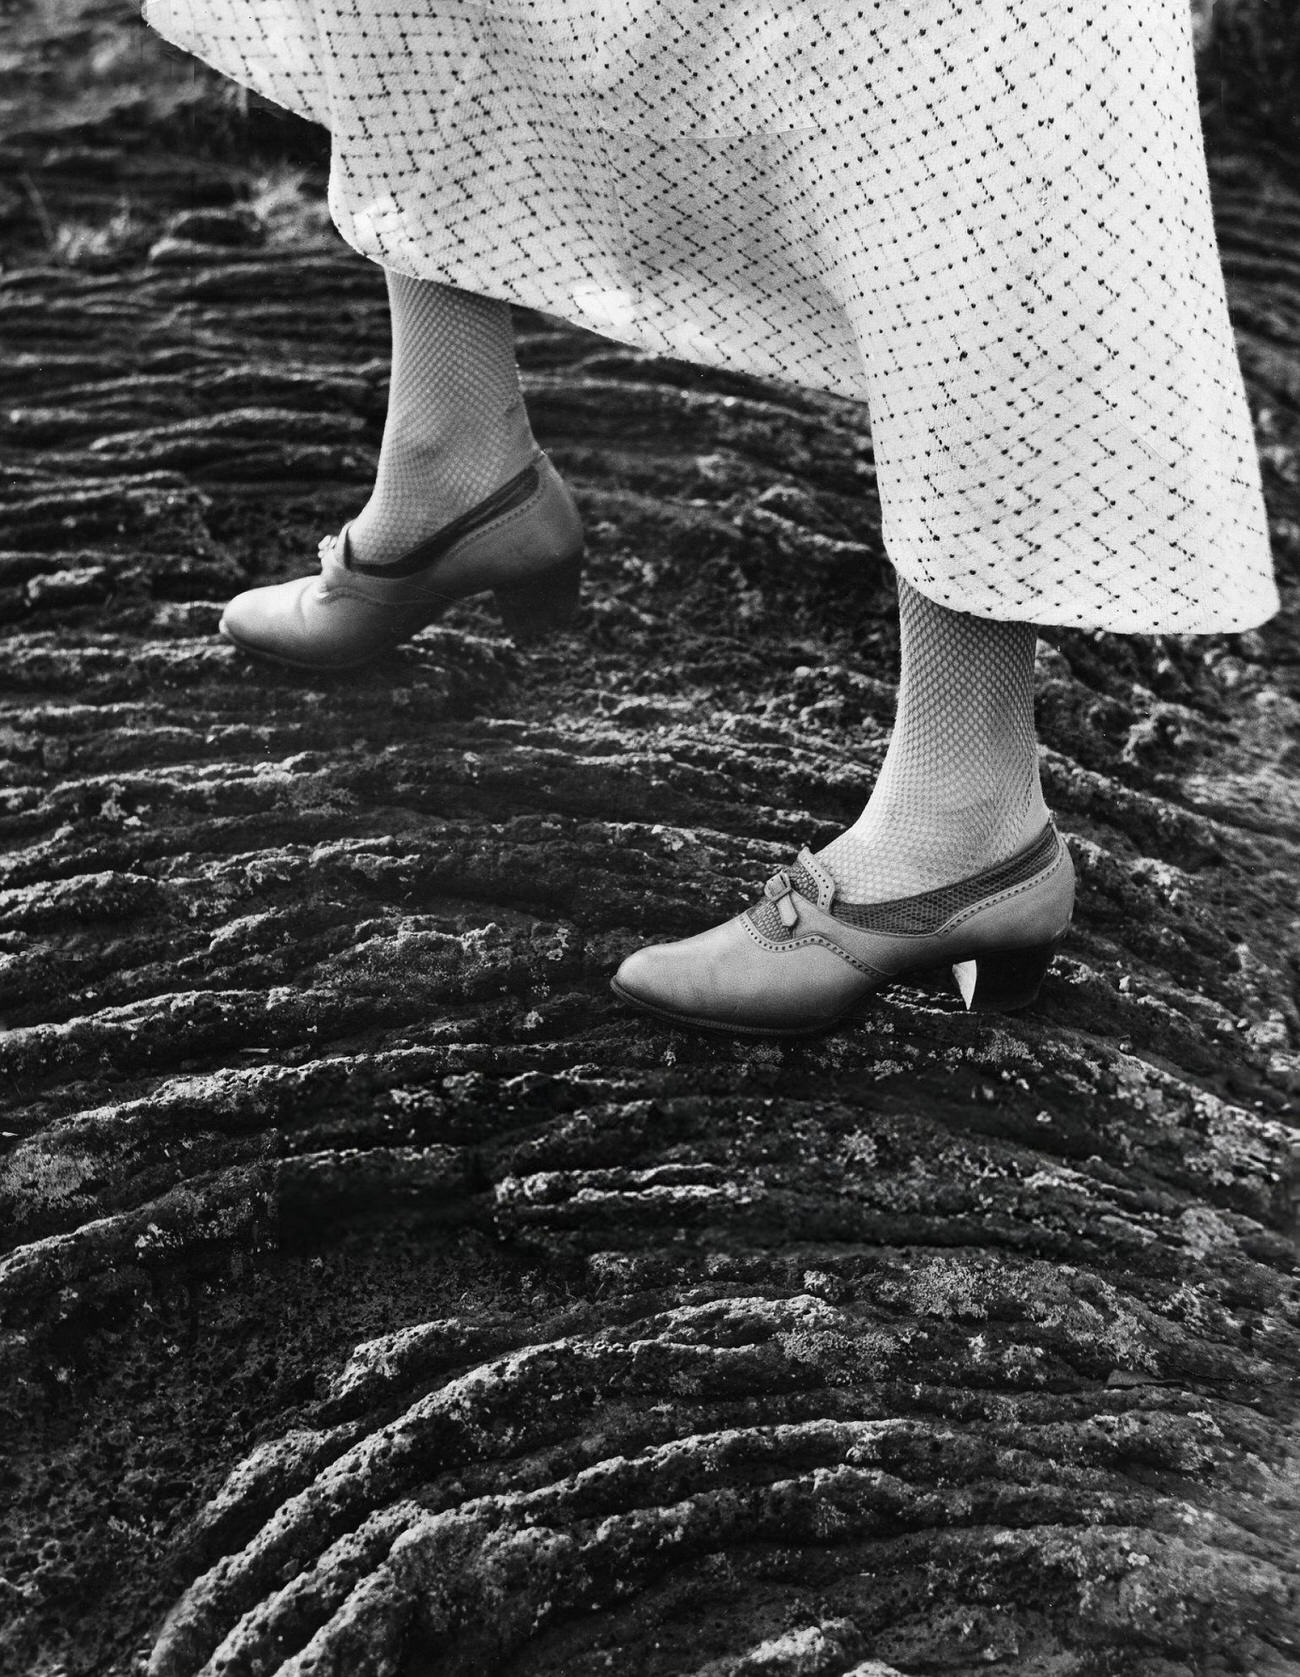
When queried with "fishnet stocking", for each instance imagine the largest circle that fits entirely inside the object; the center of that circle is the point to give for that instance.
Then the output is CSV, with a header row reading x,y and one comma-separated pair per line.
x,y
456,427
959,787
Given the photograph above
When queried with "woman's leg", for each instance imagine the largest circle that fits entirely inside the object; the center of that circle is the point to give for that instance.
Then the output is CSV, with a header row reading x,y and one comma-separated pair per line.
x,y
456,429
463,504
959,787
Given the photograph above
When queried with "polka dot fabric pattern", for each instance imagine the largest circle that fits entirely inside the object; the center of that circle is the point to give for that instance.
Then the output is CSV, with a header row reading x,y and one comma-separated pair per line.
x,y
989,219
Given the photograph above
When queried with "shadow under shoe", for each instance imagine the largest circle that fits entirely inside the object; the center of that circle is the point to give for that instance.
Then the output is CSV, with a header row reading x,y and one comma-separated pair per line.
x,y
523,544
797,962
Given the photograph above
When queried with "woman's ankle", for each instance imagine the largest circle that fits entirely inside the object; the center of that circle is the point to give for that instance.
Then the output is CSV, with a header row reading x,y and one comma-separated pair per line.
x,y
456,428
904,851
424,485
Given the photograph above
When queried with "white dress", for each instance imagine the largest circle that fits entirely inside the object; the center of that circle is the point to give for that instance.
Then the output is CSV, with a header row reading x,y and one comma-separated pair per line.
x,y
989,219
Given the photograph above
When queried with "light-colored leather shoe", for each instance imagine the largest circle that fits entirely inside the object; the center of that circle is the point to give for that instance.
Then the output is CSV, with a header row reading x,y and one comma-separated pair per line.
x,y
798,962
524,544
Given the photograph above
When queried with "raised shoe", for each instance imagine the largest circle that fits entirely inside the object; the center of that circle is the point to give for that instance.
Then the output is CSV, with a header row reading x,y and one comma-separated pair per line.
x,y
523,544
799,961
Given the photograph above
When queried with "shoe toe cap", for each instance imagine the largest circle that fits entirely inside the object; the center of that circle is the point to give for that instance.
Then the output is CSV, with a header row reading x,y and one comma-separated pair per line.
x,y
254,618
700,979
272,620
645,976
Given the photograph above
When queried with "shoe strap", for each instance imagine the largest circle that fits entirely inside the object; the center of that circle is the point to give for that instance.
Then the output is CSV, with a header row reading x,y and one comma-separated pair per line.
x,y
333,555
807,879
809,871
780,890
516,493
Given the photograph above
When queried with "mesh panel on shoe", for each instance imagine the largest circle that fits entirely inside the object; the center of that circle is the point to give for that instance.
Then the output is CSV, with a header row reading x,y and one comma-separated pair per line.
x,y
766,916
930,911
506,499
920,914
767,920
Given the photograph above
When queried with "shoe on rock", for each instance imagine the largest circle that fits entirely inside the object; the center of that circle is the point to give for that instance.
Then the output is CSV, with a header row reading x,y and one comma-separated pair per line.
x,y
799,962
523,544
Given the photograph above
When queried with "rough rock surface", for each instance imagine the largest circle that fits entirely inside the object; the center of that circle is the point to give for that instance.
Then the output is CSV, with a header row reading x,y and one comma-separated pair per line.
x,y
379,1297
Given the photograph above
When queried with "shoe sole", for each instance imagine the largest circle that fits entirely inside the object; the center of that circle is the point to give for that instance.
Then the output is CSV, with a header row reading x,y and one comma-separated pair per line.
x,y
993,981
265,657
696,1023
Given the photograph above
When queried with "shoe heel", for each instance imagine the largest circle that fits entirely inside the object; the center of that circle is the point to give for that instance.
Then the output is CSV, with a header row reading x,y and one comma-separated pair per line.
x,y
1003,979
547,601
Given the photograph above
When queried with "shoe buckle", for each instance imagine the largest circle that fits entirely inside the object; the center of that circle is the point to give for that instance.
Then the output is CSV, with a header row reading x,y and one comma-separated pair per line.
x,y
330,552
780,890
